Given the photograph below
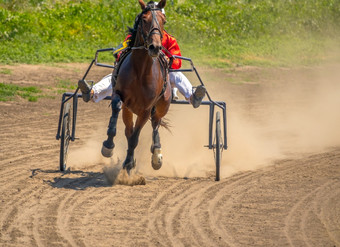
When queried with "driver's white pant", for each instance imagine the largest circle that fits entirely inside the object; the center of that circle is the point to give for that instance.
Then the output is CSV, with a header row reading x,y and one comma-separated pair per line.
x,y
179,80
104,87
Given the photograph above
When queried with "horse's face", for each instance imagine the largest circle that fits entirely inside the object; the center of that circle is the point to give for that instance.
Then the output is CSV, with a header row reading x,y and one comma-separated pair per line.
x,y
152,26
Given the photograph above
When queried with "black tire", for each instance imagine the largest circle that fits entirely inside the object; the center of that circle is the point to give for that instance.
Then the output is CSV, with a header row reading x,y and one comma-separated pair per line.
x,y
65,137
218,146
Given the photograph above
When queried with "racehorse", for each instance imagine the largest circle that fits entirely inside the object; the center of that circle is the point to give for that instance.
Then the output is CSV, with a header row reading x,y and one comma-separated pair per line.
x,y
140,87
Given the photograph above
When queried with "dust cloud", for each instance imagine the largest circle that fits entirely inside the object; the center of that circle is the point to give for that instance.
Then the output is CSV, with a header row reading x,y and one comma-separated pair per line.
x,y
115,175
88,155
184,154
295,112
280,113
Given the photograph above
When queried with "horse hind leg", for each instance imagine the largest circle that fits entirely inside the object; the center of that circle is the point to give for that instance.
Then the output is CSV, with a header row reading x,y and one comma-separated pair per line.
x,y
157,157
108,145
133,138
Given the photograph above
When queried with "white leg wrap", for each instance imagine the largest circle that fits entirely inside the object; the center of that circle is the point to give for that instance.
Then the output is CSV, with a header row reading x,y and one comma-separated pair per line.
x,y
182,83
102,89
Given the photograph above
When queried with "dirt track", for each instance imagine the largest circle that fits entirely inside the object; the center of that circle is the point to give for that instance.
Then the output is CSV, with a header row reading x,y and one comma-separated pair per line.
x,y
281,173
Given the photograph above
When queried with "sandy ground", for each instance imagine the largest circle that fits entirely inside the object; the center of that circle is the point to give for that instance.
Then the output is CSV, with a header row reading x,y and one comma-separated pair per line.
x,y
280,181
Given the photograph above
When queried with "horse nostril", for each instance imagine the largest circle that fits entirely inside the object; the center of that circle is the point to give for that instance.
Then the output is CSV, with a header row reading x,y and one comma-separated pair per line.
x,y
151,47
154,50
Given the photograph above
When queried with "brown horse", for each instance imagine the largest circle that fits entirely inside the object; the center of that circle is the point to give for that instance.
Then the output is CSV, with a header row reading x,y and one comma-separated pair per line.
x,y
140,86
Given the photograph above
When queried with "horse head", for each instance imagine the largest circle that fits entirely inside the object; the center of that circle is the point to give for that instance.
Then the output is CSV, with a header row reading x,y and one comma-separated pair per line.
x,y
151,24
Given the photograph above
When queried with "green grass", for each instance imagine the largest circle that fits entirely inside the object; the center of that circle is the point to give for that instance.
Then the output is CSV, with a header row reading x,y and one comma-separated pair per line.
x,y
11,92
5,71
66,84
8,92
217,33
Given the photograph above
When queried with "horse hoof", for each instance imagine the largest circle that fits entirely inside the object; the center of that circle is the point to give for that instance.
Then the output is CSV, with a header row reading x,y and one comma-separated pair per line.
x,y
157,159
107,152
129,166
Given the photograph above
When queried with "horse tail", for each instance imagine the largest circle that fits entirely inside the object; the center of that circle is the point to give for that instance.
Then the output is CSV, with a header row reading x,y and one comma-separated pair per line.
x,y
165,123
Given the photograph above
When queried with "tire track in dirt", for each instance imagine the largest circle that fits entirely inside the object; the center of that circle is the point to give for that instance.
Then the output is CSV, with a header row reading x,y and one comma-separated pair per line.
x,y
86,221
64,213
27,156
35,151
293,202
18,219
228,211
318,209
222,202
176,221
16,186
13,221
186,218
71,209
180,231
61,207
157,212
45,228
328,210
220,214
183,208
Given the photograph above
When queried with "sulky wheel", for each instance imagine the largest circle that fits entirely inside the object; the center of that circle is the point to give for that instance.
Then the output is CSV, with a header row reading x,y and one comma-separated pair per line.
x,y
65,137
218,145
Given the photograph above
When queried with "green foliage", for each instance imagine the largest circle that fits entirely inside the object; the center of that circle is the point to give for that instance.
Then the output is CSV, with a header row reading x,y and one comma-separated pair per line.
x,y
9,91
215,32
257,31
62,32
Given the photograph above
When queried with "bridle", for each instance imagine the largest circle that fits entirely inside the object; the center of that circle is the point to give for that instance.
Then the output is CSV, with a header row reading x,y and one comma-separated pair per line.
x,y
155,29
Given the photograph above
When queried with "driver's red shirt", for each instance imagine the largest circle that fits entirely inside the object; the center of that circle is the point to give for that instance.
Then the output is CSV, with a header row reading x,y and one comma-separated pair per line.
x,y
170,43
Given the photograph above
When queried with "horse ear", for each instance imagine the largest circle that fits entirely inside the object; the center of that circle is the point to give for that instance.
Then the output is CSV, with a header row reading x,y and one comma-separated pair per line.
x,y
161,4
142,4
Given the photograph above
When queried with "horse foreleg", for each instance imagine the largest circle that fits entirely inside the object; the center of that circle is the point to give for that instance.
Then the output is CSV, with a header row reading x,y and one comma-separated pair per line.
x,y
108,145
132,138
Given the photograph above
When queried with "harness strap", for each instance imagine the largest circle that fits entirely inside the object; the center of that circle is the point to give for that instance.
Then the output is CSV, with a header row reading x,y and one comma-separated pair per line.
x,y
161,59
139,47
165,70
120,61
169,55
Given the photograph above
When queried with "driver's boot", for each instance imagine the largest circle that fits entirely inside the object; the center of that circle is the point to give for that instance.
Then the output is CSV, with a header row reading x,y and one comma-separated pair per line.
x,y
85,89
197,97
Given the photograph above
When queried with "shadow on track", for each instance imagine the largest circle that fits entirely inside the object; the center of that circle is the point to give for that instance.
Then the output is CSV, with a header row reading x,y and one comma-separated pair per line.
x,y
75,180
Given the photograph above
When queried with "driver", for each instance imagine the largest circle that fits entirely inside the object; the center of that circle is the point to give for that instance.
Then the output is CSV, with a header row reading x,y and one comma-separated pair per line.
x,y
177,79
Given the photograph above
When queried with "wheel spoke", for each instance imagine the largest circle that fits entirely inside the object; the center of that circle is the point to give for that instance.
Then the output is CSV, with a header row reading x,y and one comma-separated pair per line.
x,y
65,137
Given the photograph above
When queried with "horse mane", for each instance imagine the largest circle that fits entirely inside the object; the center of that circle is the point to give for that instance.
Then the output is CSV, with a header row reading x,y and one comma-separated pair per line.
x,y
133,30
